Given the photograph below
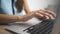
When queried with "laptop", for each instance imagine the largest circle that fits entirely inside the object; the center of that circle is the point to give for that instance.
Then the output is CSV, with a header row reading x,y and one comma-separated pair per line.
x,y
18,27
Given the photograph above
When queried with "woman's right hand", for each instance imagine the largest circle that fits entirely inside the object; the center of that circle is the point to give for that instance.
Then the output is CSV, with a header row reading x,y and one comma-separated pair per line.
x,y
45,14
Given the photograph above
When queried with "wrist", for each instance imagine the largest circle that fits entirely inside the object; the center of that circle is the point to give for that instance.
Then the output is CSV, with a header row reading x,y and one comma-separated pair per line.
x,y
17,18
24,17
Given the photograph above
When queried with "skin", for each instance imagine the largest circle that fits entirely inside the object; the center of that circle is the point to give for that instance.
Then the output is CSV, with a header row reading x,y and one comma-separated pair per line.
x,y
5,19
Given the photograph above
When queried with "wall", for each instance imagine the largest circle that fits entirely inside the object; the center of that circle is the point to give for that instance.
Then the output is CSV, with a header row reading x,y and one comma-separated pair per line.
x,y
40,4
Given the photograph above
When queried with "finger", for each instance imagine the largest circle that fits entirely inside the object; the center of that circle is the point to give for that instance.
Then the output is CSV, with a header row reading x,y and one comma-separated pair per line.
x,y
43,15
50,12
38,14
46,14
50,15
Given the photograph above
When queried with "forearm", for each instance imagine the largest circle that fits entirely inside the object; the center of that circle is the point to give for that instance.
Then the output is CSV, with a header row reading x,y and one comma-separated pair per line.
x,y
26,6
4,19
7,18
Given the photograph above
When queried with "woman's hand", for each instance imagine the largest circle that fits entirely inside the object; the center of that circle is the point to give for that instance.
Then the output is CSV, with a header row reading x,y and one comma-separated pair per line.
x,y
45,14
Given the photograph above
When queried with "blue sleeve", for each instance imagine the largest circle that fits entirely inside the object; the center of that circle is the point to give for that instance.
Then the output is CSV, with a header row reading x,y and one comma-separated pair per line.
x,y
6,7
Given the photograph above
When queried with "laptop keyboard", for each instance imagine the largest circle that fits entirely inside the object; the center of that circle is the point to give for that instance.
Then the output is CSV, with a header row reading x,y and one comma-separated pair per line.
x,y
45,27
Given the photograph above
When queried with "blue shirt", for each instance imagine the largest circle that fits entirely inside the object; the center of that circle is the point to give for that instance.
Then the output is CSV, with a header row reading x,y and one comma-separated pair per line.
x,y
6,8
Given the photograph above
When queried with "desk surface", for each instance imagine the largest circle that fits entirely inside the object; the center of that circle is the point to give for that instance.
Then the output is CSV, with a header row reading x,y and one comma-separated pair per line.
x,y
2,30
